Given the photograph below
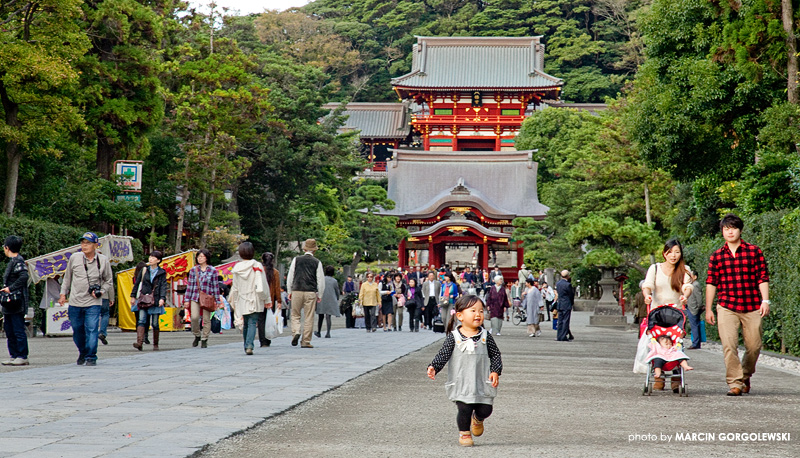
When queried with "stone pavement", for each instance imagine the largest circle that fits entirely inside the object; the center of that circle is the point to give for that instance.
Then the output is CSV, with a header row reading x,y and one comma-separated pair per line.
x,y
577,399
173,403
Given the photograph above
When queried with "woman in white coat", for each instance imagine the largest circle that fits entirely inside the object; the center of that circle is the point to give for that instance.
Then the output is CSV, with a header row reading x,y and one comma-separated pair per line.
x,y
249,294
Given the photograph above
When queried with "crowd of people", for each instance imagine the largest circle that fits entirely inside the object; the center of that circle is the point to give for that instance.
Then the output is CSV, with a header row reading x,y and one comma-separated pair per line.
x,y
737,279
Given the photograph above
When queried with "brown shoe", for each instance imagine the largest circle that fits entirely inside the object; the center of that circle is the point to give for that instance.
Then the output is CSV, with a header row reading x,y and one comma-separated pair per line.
x,y
676,384
465,439
746,388
658,383
476,427
307,346
735,392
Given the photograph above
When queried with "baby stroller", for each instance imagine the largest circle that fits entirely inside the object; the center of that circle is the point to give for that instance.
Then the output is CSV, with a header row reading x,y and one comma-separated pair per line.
x,y
666,320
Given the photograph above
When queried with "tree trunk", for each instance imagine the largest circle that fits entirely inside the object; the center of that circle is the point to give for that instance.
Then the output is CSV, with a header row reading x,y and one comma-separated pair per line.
x,y
106,155
182,208
152,229
209,209
12,177
787,18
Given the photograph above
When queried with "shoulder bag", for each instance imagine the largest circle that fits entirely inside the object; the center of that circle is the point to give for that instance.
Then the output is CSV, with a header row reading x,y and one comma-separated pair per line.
x,y
145,301
207,302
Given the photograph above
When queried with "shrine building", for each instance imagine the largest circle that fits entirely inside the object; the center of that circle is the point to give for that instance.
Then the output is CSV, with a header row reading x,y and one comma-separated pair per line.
x,y
457,179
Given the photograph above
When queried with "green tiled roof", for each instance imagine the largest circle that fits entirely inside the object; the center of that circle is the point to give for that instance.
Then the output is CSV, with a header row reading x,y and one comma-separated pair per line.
x,y
478,63
375,120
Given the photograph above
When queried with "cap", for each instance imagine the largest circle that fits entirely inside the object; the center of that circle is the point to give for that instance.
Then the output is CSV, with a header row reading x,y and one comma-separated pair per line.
x,y
90,236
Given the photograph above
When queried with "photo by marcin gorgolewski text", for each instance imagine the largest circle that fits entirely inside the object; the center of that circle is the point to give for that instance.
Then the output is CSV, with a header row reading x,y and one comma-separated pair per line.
x,y
712,437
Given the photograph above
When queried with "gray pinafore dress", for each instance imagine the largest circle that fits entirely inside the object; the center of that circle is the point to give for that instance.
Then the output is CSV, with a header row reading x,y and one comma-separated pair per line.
x,y
468,371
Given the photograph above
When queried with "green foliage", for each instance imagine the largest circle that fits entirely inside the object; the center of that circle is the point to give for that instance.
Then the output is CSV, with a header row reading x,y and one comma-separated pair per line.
x,y
587,167
594,45
690,112
777,236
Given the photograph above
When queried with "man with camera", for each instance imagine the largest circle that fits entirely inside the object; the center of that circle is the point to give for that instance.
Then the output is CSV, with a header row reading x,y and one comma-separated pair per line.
x,y
87,280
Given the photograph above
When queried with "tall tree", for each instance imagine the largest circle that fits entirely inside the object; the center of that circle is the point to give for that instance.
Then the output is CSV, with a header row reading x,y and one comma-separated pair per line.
x,y
41,41
120,89
217,106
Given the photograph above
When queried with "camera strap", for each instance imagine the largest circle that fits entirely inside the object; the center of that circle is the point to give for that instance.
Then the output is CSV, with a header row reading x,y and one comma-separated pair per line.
x,y
99,274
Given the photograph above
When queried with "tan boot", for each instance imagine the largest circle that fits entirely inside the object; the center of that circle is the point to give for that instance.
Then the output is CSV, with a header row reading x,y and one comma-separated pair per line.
x,y
476,427
139,338
156,331
465,439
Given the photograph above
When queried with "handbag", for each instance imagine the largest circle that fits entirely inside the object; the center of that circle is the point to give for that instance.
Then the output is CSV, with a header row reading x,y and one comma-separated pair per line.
x,y
358,311
207,302
145,301
271,325
9,299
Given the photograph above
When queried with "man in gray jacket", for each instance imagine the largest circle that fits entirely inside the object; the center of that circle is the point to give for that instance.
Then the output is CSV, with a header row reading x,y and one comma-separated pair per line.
x,y
87,280
305,284
696,307
430,293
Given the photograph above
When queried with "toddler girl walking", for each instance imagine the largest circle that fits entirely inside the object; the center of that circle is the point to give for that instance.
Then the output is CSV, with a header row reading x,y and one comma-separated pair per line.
x,y
475,368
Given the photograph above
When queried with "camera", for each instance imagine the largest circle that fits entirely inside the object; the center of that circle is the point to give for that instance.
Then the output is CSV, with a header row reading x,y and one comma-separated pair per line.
x,y
95,291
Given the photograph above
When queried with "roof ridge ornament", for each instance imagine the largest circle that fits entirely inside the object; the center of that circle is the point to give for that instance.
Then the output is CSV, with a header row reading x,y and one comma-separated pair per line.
x,y
460,189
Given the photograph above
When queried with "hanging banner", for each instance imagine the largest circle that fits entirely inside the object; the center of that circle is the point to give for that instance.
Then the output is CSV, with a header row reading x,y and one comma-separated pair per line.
x,y
116,248
226,273
177,267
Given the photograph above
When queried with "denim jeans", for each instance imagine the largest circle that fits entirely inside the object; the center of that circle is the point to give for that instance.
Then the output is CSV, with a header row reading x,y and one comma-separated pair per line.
x,y
143,319
104,313
85,322
14,325
694,322
249,329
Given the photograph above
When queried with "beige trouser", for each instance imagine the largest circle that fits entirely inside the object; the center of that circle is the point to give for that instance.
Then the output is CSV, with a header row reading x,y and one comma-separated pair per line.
x,y
304,302
728,322
195,315
532,328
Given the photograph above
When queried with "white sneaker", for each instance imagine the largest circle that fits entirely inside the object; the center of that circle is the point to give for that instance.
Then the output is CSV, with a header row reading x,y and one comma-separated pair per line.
x,y
497,334
8,363
530,335
20,362
538,333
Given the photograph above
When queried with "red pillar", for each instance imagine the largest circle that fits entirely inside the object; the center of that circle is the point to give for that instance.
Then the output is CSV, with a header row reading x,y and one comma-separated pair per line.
x,y
401,254
497,143
426,143
455,143
431,254
485,256
520,253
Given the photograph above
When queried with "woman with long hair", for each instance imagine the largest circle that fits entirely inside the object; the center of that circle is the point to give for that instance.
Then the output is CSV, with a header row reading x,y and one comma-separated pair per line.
x,y
668,282
276,302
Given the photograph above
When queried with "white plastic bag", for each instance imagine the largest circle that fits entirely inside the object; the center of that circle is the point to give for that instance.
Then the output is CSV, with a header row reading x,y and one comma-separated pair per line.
x,y
639,364
271,325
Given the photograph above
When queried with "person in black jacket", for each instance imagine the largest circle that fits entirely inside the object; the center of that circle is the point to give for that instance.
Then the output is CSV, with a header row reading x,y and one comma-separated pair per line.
x,y
15,303
153,280
414,303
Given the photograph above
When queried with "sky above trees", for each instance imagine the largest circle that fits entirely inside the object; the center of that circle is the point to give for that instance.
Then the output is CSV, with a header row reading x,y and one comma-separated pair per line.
x,y
253,6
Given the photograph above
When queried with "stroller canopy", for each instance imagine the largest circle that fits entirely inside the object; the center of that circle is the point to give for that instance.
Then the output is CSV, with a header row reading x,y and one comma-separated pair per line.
x,y
666,317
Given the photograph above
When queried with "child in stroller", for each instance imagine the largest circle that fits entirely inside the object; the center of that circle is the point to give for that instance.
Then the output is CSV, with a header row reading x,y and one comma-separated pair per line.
x,y
661,349
665,327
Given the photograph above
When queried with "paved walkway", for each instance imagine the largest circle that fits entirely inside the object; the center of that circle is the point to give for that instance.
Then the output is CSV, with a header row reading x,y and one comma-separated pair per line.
x,y
577,399
172,403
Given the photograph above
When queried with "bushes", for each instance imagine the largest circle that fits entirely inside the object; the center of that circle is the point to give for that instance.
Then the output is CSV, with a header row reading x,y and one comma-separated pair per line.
x,y
777,235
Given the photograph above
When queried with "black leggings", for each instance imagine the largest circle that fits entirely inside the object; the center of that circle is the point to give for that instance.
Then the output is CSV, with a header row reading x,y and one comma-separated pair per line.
x,y
464,417
319,323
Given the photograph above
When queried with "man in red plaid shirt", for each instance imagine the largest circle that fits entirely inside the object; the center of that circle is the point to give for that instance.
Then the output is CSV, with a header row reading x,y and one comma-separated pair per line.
x,y
737,274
